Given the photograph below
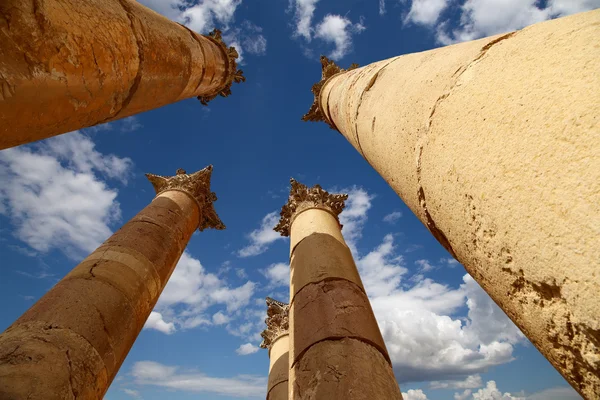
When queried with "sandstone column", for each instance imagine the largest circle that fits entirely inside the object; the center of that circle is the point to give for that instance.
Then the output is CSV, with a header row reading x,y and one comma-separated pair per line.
x,y
70,64
494,145
336,348
71,343
276,338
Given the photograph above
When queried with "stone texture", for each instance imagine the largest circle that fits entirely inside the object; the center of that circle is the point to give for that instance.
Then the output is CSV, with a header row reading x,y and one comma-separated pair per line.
x,y
70,64
279,392
493,144
346,369
312,221
332,309
45,362
321,256
279,372
72,342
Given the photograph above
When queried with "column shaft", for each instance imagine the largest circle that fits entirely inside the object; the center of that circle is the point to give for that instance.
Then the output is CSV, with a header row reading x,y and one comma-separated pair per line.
x,y
70,64
72,342
279,368
336,349
493,144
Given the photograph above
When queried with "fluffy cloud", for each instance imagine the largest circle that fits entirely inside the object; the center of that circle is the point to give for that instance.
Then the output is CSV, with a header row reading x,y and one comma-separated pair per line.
x,y
480,18
133,393
56,195
426,12
414,395
170,377
247,348
335,29
303,15
155,321
190,294
393,217
354,216
277,274
338,30
491,392
261,238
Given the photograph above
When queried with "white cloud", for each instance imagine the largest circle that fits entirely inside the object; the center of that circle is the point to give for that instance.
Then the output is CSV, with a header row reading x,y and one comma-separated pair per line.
x,y
470,382
303,15
277,274
191,292
133,393
247,348
155,321
354,216
55,194
381,7
491,392
393,217
424,265
338,30
156,374
381,270
414,395
480,18
450,262
426,12
220,318
130,124
261,238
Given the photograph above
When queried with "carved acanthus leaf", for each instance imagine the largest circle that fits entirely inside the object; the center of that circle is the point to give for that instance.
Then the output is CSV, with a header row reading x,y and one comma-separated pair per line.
x,y
329,69
302,197
277,322
233,74
197,185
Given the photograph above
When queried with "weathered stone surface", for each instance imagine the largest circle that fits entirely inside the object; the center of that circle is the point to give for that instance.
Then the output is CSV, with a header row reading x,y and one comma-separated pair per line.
x,y
43,362
71,64
493,144
346,369
93,310
332,309
321,256
280,371
279,392
313,221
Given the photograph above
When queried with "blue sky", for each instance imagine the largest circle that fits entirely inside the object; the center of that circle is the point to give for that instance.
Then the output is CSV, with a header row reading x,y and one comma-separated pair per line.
x,y
62,197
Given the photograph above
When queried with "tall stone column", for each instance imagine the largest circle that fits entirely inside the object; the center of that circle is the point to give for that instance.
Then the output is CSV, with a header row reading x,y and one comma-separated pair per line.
x,y
72,342
70,64
336,348
276,338
494,145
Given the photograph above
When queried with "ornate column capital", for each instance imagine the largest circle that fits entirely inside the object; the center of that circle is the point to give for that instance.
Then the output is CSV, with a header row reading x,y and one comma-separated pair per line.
x,y
233,73
329,69
277,322
302,198
197,186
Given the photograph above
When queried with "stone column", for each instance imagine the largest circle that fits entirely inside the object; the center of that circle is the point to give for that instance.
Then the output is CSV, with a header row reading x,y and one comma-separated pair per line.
x,y
70,64
494,145
336,348
71,343
276,338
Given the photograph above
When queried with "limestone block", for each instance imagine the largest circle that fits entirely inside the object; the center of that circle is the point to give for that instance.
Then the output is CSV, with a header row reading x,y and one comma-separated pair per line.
x,y
312,221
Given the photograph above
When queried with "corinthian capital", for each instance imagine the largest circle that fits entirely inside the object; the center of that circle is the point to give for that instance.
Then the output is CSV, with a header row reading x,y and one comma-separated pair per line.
x,y
197,186
277,322
302,198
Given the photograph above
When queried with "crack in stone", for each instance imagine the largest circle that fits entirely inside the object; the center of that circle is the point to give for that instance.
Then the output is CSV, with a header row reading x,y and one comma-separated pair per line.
x,y
71,385
431,225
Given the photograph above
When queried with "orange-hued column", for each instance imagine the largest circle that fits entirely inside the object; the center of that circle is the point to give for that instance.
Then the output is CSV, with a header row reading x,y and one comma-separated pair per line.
x,y
494,145
72,342
71,64
336,349
277,340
